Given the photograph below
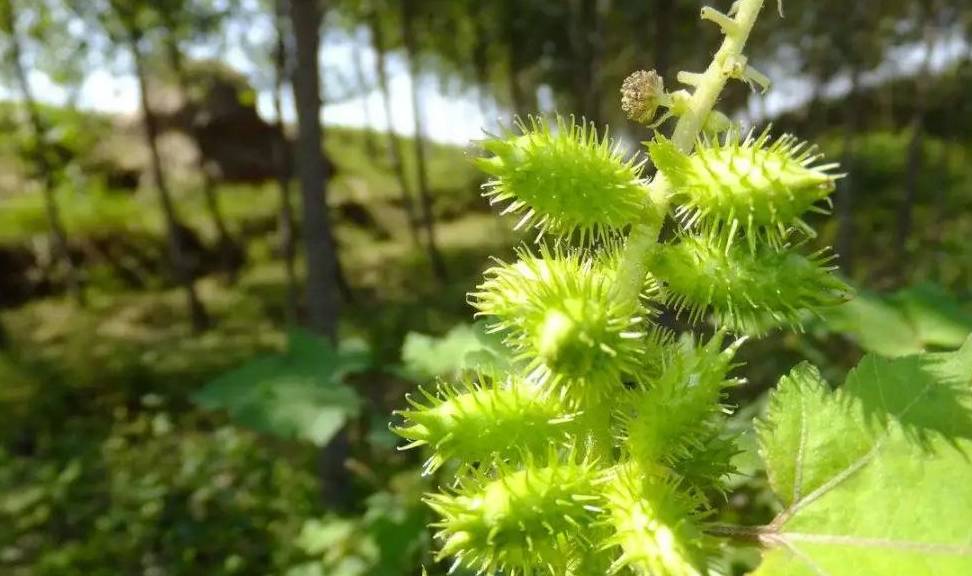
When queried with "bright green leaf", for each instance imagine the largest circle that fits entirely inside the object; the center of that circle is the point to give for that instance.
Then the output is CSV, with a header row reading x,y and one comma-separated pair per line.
x,y
906,322
876,325
464,347
297,394
319,536
875,477
937,316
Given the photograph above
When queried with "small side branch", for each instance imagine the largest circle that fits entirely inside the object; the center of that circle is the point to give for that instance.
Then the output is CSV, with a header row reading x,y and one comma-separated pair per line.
x,y
729,26
758,535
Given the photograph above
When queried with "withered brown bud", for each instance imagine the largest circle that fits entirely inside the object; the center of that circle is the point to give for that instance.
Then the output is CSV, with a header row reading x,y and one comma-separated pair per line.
x,y
641,94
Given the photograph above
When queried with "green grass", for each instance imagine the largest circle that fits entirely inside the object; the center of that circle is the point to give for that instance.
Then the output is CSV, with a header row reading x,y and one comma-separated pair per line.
x,y
361,177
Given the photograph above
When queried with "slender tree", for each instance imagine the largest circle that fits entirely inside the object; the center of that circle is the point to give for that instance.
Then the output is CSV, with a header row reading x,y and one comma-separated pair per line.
x,y
845,187
284,160
130,15
421,169
322,302
322,266
40,154
522,97
928,11
178,18
364,88
588,28
664,10
394,142
479,14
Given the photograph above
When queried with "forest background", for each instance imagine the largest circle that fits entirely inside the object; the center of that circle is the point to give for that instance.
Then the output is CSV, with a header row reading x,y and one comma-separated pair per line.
x,y
233,233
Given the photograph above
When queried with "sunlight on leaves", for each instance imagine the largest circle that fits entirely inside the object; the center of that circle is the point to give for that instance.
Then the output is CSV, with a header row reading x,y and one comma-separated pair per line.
x,y
464,347
906,322
875,476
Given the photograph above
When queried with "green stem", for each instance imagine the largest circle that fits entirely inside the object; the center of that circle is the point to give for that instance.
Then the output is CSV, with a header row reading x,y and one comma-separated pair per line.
x,y
643,240
597,420
744,534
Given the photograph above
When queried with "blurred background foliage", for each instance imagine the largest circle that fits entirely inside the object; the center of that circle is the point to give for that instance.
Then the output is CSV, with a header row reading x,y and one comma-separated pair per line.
x,y
144,436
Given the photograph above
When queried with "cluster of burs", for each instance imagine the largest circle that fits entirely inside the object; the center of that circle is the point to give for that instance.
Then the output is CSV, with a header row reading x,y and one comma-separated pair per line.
x,y
600,447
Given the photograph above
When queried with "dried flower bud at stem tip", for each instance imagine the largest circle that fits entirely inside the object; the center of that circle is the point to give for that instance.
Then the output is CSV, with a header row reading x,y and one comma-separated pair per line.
x,y
641,94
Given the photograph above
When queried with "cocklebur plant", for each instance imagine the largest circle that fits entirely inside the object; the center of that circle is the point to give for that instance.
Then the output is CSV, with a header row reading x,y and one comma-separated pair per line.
x,y
602,449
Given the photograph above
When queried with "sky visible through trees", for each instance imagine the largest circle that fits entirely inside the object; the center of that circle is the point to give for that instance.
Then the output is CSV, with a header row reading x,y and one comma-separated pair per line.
x,y
458,117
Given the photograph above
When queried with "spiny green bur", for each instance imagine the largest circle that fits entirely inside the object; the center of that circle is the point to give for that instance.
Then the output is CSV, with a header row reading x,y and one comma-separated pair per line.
x,y
598,452
562,320
758,186
533,179
748,292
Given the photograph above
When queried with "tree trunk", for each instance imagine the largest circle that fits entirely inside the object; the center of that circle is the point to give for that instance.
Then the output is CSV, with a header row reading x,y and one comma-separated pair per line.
x,y
60,251
322,303
914,154
425,200
362,81
580,20
394,143
587,36
845,197
663,19
180,268
523,102
284,164
479,16
230,253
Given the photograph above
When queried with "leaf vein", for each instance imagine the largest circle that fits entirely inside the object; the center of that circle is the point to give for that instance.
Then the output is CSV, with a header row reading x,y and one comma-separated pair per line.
x,y
827,486
847,472
865,542
803,557
801,450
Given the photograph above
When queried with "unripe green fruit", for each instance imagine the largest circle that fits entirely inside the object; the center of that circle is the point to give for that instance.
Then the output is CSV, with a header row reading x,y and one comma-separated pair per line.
x,y
654,523
674,416
590,372
565,181
517,522
497,419
566,340
757,186
560,315
748,292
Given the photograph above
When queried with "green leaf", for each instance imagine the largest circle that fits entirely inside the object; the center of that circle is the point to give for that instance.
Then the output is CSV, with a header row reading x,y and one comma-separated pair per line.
x,y
318,536
875,477
876,325
464,347
297,394
937,316
906,322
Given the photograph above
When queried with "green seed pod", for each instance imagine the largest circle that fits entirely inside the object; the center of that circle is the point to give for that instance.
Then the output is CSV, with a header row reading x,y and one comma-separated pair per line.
x,y
674,418
526,521
748,292
483,421
561,318
655,523
710,465
757,186
564,182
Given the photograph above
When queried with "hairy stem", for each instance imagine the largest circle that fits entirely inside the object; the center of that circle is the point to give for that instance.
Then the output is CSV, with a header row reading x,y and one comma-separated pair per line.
x,y
644,236
742,534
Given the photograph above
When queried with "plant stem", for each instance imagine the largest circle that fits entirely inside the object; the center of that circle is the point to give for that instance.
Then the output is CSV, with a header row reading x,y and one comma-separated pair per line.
x,y
744,534
643,239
